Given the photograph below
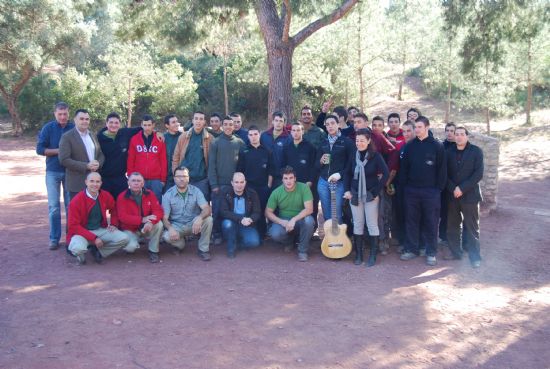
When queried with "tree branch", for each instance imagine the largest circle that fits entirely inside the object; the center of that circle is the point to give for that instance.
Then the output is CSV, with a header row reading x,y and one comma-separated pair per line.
x,y
26,74
286,14
322,22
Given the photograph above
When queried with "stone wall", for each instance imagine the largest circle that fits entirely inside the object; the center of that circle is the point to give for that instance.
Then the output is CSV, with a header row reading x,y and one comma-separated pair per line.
x,y
491,151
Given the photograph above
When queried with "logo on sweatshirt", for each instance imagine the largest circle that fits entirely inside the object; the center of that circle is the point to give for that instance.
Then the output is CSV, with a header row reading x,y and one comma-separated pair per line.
x,y
153,149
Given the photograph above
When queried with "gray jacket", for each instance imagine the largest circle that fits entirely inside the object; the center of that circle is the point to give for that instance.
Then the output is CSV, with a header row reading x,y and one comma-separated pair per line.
x,y
222,159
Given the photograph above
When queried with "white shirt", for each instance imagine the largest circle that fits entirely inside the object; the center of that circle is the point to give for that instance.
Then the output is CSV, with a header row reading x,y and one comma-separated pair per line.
x,y
89,144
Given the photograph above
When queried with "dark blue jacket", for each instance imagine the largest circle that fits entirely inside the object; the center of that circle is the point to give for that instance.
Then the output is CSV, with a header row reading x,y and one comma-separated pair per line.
x,y
115,151
466,173
424,164
48,138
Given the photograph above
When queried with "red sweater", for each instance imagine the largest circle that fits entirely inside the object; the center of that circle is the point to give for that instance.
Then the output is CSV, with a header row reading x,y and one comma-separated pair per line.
x,y
79,209
150,162
130,215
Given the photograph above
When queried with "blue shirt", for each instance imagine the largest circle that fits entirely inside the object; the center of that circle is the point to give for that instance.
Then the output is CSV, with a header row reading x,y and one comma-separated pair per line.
x,y
239,206
49,138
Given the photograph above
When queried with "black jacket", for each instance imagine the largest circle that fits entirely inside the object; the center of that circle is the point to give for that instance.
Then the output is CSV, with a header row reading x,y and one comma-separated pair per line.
x,y
467,174
375,165
341,153
251,205
115,151
423,164
301,158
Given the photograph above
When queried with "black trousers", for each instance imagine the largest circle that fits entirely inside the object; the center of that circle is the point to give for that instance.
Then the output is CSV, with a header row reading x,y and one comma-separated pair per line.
x,y
443,216
422,207
115,185
463,218
263,193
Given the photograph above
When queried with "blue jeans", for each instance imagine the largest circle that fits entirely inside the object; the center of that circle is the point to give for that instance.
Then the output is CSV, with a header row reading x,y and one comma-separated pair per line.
x,y
155,185
324,195
248,237
304,228
54,181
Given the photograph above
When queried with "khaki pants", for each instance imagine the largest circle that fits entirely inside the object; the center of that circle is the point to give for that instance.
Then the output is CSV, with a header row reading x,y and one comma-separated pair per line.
x,y
153,235
112,241
366,212
186,230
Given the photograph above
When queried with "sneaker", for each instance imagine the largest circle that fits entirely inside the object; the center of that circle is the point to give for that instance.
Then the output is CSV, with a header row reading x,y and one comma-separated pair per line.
x,y
476,264
407,256
53,245
400,249
422,252
81,259
302,256
431,260
154,257
204,256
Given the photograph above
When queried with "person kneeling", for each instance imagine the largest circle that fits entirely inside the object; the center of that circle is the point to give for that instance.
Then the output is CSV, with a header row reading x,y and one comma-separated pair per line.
x,y
186,212
294,203
240,212
140,215
89,223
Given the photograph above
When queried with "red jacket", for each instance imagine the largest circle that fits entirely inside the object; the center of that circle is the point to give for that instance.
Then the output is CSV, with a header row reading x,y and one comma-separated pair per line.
x,y
130,215
151,163
79,210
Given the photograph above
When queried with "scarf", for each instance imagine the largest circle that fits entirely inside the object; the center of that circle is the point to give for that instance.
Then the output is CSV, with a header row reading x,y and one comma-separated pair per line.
x,y
359,174
332,139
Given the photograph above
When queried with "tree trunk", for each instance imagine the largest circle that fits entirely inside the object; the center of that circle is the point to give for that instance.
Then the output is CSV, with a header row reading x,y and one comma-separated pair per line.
x,y
402,76
487,113
280,47
449,86
279,61
360,61
225,94
529,85
17,125
130,98
448,107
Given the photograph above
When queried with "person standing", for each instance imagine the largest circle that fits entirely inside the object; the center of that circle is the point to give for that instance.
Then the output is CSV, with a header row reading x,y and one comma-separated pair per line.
x,y
331,161
240,212
79,153
256,162
447,144
274,139
147,155
215,128
424,172
192,152
465,171
171,136
363,186
114,142
293,203
48,146
238,128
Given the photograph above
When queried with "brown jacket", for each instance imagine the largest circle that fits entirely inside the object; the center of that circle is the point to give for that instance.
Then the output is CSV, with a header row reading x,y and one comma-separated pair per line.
x,y
183,142
73,156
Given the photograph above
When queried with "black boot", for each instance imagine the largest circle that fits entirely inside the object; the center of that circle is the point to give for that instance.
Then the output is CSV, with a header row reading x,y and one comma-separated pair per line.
x,y
373,250
358,248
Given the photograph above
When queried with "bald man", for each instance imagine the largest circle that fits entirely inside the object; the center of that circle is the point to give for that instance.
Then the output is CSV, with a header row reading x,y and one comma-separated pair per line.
x,y
240,211
93,222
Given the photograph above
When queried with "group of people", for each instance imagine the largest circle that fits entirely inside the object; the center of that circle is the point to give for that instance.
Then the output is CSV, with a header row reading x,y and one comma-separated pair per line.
x,y
224,182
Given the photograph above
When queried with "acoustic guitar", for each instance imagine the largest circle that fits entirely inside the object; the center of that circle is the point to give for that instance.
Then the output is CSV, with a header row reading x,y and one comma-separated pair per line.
x,y
336,244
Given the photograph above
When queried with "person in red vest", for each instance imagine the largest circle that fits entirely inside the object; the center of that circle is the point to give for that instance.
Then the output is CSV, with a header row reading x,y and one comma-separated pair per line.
x,y
147,155
93,222
140,215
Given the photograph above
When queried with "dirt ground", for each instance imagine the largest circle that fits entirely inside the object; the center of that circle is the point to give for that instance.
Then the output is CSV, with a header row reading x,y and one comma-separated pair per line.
x,y
264,309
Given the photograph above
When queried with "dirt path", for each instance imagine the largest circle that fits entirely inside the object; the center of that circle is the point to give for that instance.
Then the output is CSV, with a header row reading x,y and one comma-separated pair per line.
x,y
266,310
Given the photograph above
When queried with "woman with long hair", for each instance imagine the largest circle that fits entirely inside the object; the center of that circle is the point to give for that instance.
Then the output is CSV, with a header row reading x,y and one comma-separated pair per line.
x,y
365,177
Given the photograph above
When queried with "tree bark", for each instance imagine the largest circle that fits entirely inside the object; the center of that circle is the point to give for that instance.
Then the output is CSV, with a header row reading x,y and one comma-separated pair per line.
x,y
280,48
130,98
10,97
225,94
487,112
402,76
360,61
529,85
449,86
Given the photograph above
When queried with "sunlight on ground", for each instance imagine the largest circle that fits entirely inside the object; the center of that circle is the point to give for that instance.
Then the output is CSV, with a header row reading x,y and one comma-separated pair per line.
x,y
35,288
